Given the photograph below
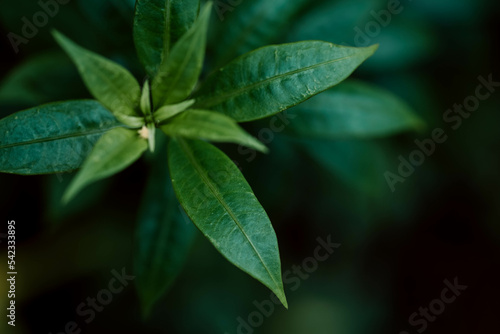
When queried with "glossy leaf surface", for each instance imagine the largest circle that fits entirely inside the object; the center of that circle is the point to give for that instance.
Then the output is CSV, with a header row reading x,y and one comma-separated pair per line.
x,y
52,138
222,205
271,79
158,25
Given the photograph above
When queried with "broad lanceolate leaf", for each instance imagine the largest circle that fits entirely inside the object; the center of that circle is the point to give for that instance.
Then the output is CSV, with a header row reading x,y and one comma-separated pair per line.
x,y
115,151
158,25
252,25
353,109
220,202
52,138
163,235
209,125
178,74
271,79
108,82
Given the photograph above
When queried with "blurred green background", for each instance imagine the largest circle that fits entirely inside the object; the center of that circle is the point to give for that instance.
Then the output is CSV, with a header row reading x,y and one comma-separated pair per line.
x,y
397,247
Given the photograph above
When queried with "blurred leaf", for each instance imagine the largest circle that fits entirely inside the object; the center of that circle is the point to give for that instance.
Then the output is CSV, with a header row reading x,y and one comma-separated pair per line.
x,y
212,126
163,236
353,109
116,150
57,212
108,82
179,72
403,39
358,164
41,79
52,138
222,205
250,25
158,25
271,79
17,18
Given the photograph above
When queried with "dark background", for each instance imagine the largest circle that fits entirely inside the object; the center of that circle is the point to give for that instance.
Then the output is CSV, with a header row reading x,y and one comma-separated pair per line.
x,y
396,248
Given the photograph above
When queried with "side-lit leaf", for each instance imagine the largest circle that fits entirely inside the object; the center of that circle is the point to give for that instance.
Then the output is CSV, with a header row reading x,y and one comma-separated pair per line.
x,y
271,79
163,235
158,25
115,151
220,202
52,138
166,112
353,109
108,82
209,125
178,74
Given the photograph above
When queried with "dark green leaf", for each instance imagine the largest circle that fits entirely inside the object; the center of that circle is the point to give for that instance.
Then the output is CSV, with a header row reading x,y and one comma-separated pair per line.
x,y
108,82
209,125
271,79
178,74
158,25
404,39
52,138
353,109
358,164
220,202
163,235
41,79
115,151
252,24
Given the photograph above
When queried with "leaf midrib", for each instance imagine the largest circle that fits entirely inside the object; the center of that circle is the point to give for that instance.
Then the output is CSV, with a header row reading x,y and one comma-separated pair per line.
x,y
216,194
166,35
223,97
61,137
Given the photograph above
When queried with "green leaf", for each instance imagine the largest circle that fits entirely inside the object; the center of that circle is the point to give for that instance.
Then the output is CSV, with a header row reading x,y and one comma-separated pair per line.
x,y
52,138
163,236
158,25
222,205
108,82
353,109
146,110
167,112
271,79
146,100
209,125
251,25
357,164
115,151
178,74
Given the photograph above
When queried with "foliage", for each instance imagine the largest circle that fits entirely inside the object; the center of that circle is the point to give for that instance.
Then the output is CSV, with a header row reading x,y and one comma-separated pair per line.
x,y
106,135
